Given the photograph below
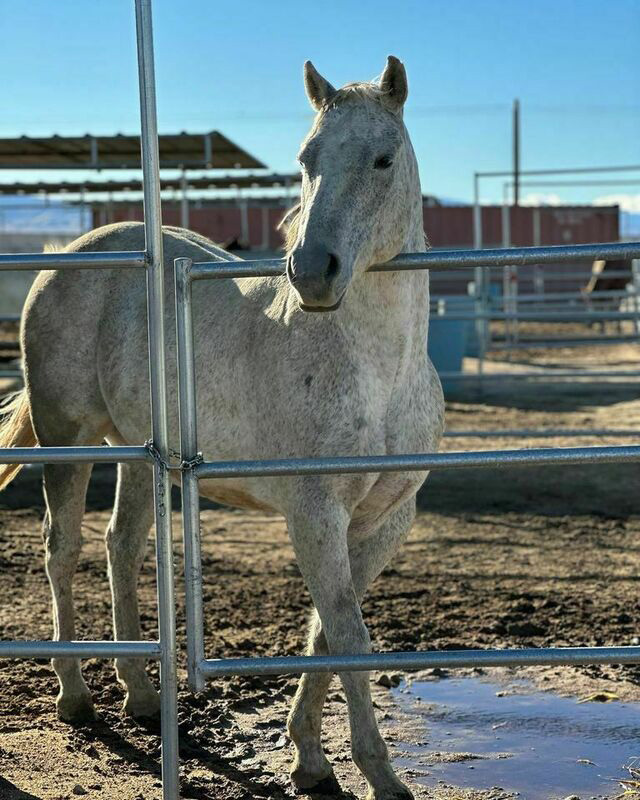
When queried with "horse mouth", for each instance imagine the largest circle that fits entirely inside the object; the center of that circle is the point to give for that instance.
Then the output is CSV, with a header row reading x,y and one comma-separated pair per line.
x,y
320,309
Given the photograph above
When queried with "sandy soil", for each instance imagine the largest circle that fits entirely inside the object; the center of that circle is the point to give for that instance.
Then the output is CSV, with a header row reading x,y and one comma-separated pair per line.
x,y
525,557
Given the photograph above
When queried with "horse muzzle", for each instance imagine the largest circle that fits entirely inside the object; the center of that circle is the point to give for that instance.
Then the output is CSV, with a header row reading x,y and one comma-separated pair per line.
x,y
314,273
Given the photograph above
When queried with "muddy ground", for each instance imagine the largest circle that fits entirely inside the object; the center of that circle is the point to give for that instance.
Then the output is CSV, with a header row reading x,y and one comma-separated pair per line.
x,y
528,557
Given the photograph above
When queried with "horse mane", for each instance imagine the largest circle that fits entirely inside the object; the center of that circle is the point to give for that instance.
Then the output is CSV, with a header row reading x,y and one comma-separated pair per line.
x,y
288,225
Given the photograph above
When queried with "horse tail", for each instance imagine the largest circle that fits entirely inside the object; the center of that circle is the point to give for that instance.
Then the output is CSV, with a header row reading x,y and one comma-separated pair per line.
x,y
16,430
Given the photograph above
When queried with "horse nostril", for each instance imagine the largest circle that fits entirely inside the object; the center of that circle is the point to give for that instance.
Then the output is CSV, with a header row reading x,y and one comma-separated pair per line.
x,y
332,267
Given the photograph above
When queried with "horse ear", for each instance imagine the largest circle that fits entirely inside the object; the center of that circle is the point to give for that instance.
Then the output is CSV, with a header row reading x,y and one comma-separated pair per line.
x,y
394,84
319,91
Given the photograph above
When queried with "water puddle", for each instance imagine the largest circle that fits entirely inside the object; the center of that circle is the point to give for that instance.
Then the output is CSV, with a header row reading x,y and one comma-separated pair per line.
x,y
535,743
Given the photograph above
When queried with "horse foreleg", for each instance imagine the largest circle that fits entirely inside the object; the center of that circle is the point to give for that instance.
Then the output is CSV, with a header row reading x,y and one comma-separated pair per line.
x,y
319,535
370,556
311,770
126,541
311,767
65,487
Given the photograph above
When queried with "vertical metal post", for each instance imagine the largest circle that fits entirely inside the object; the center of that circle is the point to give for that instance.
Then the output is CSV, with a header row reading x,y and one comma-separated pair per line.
x,y
83,211
190,490
538,271
265,227
159,415
635,272
244,220
507,276
516,152
479,276
184,201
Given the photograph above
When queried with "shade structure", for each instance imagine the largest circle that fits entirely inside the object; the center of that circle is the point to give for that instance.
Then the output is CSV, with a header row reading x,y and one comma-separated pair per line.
x,y
246,181
210,150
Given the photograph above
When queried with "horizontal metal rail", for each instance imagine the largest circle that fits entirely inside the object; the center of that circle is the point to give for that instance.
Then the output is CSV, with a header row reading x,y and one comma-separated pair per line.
x,y
341,465
548,276
550,375
541,316
542,433
19,649
564,276
76,260
561,171
436,259
73,455
10,318
10,373
530,342
451,659
581,297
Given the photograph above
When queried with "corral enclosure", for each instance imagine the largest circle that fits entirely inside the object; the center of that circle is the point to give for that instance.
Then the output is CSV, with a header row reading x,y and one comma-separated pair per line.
x,y
542,557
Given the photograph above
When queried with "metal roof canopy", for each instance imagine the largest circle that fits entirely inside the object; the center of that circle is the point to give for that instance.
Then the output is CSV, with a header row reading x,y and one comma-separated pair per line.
x,y
177,151
166,184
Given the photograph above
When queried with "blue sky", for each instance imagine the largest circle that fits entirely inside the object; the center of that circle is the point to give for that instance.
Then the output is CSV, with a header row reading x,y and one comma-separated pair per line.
x,y
68,67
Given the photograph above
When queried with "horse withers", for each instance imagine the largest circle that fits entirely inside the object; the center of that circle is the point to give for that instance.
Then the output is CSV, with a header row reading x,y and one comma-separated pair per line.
x,y
326,360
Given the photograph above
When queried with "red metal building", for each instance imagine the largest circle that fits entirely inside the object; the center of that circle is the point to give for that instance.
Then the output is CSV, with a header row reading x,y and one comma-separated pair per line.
x,y
253,223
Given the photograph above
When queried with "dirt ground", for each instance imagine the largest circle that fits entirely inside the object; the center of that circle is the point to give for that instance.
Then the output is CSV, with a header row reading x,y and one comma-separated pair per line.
x,y
528,557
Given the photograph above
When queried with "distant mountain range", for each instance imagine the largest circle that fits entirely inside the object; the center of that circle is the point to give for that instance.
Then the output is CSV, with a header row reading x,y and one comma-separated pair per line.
x,y
32,215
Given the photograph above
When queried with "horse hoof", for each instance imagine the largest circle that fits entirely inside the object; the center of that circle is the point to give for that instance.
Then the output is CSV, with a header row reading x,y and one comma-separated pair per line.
x,y
77,710
400,792
306,783
142,707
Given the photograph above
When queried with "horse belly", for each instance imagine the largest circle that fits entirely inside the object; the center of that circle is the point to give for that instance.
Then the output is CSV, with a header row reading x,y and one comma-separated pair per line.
x,y
234,496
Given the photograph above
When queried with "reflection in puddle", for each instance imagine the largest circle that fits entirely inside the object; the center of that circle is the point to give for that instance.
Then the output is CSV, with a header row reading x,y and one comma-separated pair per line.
x,y
557,746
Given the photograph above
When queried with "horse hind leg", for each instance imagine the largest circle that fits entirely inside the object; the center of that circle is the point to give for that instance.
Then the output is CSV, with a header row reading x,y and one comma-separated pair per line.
x,y
126,543
65,487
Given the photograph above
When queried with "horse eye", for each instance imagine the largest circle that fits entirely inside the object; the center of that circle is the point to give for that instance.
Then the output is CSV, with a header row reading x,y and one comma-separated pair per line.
x,y
384,162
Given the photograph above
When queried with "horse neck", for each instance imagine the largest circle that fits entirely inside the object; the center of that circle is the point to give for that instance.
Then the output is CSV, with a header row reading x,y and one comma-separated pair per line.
x,y
393,304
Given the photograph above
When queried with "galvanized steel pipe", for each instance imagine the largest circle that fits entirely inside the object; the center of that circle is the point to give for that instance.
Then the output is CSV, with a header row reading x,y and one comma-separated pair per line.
x,y
73,455
110,259
437,259
159,412
450,659
420,462
79,649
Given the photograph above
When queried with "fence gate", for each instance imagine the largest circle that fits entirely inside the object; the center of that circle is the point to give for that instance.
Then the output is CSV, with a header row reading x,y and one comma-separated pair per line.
x,y
194,468
151,260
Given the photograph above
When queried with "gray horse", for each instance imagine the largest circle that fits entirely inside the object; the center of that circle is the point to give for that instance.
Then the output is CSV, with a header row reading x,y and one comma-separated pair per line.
x,y
273,381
